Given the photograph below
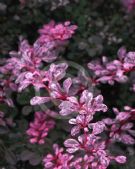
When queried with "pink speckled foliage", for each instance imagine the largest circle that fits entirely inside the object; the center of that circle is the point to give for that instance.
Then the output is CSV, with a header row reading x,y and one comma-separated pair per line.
x,y
90,138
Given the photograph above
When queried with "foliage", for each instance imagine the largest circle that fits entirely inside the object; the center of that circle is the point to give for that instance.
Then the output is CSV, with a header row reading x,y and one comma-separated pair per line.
x,y
48,95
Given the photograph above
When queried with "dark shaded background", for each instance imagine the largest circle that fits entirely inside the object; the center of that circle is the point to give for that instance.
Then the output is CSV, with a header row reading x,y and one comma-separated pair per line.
x,y
103,27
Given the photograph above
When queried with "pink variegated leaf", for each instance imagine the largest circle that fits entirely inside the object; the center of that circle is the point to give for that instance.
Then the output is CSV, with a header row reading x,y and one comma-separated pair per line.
x,y
71,143
37,100
67,84
75,130
97,127
127,139
121,159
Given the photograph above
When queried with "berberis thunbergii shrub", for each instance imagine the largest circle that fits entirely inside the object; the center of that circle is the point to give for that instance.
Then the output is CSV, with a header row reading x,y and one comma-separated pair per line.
x,y
62,112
